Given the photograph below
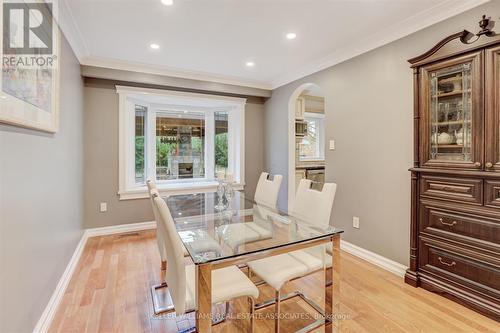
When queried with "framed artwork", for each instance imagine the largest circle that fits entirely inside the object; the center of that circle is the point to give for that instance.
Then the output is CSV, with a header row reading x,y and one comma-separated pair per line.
x,y
29,79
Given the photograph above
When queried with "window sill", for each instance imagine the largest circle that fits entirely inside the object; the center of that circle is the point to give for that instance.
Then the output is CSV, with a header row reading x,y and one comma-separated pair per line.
x,y
174,189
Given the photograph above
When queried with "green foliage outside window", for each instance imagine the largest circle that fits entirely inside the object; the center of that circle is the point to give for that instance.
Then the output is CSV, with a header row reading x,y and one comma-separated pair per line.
x,y
221,150
197,145
163,151
139,158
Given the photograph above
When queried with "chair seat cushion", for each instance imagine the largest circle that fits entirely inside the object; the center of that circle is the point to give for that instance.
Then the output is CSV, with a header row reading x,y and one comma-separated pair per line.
x,y
200,242
227,283
261,230
277,270
206,245
238,234
313,263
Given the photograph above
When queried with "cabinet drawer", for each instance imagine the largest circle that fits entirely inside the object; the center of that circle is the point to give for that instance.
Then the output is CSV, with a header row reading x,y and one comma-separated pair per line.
x,y
492,193
455,189
473,229
462,268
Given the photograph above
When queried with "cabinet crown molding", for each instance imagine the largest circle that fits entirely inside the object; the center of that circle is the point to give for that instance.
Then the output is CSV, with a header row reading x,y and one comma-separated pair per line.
x,y
459,42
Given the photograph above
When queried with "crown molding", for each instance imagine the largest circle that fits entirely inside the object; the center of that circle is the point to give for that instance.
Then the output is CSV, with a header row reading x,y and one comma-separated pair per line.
x,y
172,72
417,22
68,26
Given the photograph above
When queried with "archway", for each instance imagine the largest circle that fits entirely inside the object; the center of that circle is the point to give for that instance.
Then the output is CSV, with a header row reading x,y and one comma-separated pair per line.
x,y
306,89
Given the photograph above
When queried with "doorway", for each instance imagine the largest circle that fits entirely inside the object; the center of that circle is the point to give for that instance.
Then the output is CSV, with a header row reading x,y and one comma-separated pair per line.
x,y
306,142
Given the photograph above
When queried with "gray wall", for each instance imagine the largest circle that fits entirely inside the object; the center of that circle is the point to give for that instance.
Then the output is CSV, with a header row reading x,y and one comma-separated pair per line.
x,y
101,156
41,199
368,103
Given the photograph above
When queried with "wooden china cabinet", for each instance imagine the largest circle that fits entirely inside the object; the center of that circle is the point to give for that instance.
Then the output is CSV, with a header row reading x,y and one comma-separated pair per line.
x,y
455,214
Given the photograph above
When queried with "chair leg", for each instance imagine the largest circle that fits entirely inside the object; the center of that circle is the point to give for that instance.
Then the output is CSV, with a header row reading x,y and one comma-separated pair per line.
x,y
224,317
277,312
252,314
226,311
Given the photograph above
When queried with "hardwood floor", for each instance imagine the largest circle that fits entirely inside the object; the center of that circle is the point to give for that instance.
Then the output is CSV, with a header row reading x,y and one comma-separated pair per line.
x,y
110,292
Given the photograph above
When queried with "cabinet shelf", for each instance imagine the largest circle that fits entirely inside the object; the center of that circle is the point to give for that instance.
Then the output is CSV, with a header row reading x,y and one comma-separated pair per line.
x,y
451,79
452,93
450,146
452,122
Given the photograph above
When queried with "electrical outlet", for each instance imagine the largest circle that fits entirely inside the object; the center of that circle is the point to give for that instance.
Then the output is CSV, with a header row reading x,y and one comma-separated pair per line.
x,y
355,222
103,207
332,144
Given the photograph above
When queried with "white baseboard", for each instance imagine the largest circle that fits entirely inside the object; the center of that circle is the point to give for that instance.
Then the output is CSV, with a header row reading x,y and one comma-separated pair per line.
x,y
45,320
120,229
48,314
376,259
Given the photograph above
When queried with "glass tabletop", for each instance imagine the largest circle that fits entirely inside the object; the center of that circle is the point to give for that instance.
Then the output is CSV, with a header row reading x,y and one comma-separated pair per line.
x,y
211,232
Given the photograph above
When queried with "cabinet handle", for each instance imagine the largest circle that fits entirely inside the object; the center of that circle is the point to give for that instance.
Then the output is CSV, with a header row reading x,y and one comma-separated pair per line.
x,y
448,224
446,263
477,164
489,165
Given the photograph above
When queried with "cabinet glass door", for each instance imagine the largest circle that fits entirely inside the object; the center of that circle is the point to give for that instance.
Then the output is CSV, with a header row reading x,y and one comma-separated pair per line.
x,y
492,142
454,114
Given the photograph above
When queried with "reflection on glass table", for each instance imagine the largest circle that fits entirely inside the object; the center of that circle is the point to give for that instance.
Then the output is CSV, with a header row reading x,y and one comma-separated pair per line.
x,y
245,232
243,228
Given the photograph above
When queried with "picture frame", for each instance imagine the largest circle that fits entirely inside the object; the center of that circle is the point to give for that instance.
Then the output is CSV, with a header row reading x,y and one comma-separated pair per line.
x,y
29,96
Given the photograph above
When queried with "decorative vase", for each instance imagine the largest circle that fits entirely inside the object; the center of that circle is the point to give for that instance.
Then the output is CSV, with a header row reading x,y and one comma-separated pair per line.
x,y
220,194
459,136
444,138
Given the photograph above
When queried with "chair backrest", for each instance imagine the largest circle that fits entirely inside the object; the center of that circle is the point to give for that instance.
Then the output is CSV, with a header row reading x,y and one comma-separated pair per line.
x,y
267,190
152,192
152,189
176,271
314,206
151,184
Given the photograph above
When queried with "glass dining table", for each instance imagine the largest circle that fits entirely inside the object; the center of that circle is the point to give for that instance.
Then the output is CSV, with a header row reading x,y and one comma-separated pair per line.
x,y
240,231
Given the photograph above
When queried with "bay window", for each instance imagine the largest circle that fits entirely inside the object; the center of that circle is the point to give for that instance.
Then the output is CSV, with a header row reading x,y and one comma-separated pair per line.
x,y
179,140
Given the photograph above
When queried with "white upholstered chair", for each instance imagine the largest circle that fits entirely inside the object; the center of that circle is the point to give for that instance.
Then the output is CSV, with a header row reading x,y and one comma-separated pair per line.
x,y
267,190
161,247
266,196
204,244
227,283
313,207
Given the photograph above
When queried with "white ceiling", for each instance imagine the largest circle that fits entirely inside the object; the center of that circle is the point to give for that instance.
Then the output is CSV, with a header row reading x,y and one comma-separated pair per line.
x,y
212,39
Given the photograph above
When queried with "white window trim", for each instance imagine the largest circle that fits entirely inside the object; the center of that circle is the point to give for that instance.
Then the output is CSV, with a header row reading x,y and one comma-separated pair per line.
x,y
126,170
321,141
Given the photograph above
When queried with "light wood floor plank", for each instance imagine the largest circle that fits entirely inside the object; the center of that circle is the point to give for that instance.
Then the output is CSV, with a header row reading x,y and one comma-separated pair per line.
x,y
110,292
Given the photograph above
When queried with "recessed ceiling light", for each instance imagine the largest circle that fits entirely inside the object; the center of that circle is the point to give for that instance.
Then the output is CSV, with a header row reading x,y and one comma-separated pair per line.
x,y
3,97
291,35
250,64
154,46
167,2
